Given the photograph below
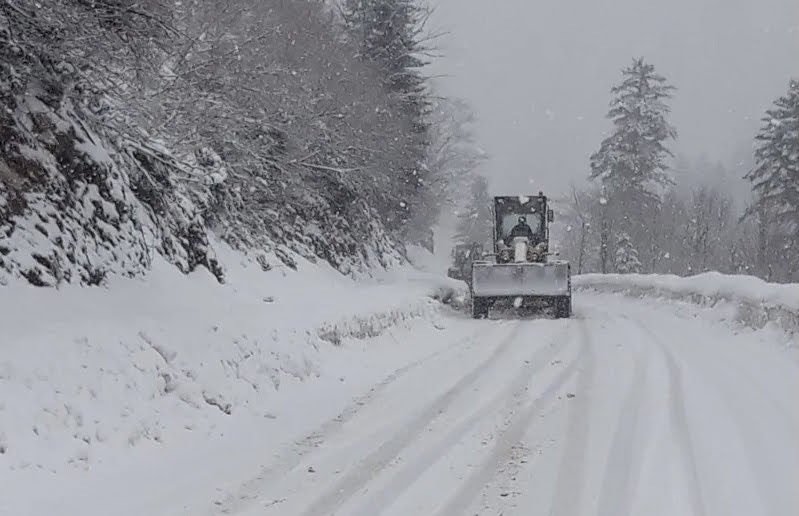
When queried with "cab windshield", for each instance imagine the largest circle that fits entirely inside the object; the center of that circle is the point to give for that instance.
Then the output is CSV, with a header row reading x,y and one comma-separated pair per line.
x,y
509,221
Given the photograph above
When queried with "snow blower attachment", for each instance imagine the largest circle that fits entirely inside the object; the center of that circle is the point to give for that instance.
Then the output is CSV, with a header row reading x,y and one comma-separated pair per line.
x,y
519,273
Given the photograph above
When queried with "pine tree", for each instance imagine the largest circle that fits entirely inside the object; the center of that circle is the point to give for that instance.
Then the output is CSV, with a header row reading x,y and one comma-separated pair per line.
x,y
390,36
627,260
475,222
775,177
631,162
633,157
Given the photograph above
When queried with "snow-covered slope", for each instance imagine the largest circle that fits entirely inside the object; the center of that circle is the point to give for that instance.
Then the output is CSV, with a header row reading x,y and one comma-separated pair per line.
x,y
149,372
107,165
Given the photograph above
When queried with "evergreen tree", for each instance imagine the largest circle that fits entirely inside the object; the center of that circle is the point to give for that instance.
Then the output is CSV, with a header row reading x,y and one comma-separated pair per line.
x,y
633,157
775,177
631,162
475,223
390,33
627,260
390,36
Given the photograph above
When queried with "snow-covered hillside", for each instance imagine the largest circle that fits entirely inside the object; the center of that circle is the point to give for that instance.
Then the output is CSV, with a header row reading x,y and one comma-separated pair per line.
x,y
158,369
135,133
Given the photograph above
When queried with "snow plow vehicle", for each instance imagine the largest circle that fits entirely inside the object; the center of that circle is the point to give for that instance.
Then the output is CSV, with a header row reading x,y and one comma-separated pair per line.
x,y
520,274
462,257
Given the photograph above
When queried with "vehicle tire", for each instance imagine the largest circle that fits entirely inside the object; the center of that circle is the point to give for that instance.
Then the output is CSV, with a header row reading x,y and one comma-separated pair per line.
x,y
479,308
563,307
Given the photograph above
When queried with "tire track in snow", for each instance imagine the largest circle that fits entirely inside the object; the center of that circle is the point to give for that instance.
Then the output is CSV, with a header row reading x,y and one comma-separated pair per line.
x,y
679,421
510,395
510,436
370,466
616,492
753,439
768,492
570,482
787,413
248,492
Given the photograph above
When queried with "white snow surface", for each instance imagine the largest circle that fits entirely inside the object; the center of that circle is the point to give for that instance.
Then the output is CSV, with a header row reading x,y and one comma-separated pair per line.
x,y
754,302
632,407
708,284
113,402
143,385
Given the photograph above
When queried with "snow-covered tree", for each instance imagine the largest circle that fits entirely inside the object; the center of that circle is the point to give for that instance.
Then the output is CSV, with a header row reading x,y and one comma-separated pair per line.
x,y
633,157
390,35
262,121
475,222
452,158
453,154
631,161
775,177
627,260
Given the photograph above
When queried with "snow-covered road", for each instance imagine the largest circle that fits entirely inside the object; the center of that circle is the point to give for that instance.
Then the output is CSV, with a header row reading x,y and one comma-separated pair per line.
x,y
630,408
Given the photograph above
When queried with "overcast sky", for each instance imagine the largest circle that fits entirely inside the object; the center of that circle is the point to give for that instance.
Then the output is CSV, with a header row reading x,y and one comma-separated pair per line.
x,y
538,72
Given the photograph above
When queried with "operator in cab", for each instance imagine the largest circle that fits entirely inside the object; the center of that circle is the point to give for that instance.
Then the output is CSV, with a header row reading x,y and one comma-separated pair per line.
x,y
521,229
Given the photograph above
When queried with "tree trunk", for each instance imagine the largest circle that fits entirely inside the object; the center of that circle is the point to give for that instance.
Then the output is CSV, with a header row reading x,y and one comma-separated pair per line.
x,y
582,248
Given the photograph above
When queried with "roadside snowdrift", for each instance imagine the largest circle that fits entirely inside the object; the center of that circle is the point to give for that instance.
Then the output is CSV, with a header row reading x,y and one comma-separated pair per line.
x,y
91,379
757,302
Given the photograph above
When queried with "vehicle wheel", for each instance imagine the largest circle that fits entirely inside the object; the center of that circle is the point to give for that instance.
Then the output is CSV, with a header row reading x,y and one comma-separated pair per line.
x,y
479,308
563,307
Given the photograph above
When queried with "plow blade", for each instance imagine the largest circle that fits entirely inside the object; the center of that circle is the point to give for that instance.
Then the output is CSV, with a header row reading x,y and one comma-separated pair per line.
x,y
521,279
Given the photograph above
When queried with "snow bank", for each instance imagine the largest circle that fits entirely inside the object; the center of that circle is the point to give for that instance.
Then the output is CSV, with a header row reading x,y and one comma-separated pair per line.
x,y
757,302
424,260
90,376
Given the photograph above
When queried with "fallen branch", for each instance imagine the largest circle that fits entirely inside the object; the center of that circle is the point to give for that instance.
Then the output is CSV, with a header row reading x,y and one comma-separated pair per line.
x,y
330,169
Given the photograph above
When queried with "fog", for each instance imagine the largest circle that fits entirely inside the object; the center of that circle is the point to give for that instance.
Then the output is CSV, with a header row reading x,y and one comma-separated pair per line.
x,y
538,72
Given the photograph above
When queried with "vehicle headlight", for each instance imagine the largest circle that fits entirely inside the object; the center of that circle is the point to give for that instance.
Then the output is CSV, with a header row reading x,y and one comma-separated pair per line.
x,y
504,255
